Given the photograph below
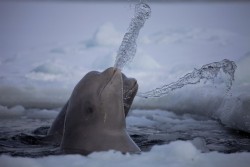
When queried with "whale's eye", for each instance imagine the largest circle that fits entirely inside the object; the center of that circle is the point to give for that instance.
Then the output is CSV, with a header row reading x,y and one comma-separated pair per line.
x,y
89,110
88,107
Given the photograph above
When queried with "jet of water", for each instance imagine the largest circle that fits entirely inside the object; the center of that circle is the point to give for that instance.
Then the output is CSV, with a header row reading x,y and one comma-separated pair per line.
x,y
128,46
206,72
127,52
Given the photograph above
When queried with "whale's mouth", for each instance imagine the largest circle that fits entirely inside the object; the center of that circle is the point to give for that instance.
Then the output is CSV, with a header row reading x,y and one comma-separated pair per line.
x,y
128,93
130,88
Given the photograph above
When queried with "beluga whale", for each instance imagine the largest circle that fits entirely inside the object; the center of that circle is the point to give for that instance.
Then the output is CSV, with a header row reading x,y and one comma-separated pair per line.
x,y
94,117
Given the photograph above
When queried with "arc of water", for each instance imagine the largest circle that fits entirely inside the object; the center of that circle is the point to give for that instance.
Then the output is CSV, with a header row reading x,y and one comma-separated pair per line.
x,y
207,72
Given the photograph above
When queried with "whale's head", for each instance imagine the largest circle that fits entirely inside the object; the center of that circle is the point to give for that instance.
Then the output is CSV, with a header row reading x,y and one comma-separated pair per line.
x,y
96,112
123,88
105,89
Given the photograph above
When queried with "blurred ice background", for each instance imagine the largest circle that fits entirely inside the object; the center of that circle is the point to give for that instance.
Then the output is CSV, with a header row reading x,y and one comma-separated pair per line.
x,y
46,47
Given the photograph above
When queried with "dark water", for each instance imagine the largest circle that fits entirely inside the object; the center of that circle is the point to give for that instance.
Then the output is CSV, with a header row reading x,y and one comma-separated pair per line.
x,y
221,139
27,137
206,134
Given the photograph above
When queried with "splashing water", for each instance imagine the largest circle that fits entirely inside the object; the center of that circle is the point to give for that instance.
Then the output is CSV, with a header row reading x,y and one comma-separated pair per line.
x,y
128,46
127,52
206,72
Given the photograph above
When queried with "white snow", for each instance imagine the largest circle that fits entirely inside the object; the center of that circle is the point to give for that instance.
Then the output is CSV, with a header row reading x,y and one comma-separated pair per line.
x,y
175,154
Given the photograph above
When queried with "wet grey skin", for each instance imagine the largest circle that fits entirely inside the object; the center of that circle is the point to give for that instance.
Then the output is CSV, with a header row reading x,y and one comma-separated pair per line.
x,y
93,119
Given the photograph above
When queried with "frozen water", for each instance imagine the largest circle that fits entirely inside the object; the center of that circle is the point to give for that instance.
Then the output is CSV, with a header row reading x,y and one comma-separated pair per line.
x,y
206,72
128,46
34,40
164,137
179,153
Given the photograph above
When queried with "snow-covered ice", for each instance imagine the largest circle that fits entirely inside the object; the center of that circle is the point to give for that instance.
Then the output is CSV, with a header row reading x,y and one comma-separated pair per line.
x,y
47,47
